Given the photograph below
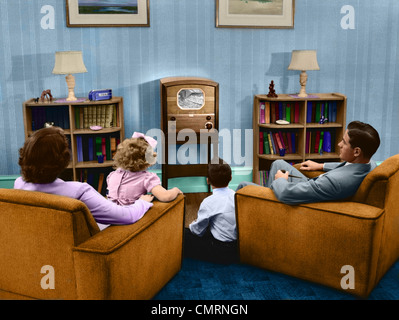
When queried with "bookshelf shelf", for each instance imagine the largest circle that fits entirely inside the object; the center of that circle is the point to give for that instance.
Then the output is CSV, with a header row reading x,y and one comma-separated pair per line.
x,y
101,131
76,118
93,164
325,125
301,137
282,126
273,157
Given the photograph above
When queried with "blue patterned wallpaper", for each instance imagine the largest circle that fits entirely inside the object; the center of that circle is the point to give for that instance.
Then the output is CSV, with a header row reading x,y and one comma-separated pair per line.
x,y
356,41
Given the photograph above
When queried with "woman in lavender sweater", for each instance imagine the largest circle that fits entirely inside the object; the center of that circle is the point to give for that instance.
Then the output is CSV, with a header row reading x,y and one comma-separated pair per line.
x,y
45,155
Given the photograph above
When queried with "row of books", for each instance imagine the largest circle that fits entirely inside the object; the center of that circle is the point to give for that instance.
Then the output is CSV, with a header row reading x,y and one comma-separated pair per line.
x,y
57,114
317,109
278,142
270,112
319,141
263,177
96,178
106,116
89,147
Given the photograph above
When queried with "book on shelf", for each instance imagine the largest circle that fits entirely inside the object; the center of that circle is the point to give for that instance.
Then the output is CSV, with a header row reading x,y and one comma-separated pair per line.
x,y
79,148
96,178
281,147
57,114
274,142
263,177
262,112
289,142
261,151
319,141
288,113
320,149
296,112
270,134
91,148
266,145
97,115
270,144
100,182
270,112
316,142
88,147
267,112
317,109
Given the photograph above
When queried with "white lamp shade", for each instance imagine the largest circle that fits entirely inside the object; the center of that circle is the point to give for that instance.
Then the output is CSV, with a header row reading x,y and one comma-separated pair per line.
x,y
69,62
304,60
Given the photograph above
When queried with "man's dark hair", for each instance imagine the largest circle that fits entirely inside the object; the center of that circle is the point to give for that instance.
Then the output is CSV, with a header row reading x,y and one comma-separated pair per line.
x,y
44,156
219,173
364,136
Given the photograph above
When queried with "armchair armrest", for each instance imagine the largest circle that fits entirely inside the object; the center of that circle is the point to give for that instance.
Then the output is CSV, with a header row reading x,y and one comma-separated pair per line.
x,y
309,174
132,261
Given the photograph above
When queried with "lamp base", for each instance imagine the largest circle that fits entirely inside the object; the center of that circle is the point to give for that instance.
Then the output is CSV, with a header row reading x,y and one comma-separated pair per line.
x,y
70,80
303,78
302,94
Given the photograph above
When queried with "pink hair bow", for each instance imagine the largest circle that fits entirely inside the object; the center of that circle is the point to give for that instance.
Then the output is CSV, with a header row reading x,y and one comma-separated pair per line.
x,y
151,141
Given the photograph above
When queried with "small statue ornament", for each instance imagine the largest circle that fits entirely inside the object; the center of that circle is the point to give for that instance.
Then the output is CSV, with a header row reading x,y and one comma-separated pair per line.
x,y
272,92
46,94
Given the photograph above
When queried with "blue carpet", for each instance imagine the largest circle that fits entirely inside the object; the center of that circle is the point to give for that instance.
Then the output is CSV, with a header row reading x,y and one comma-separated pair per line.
x,y
200,280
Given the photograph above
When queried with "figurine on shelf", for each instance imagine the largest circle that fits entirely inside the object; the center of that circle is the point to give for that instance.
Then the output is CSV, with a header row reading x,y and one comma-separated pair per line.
x,y
48,124
272,92
323,120
46,94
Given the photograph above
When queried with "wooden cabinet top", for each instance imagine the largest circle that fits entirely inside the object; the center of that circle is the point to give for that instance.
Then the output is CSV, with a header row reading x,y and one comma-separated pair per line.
x,y
32,103
175,81
311,97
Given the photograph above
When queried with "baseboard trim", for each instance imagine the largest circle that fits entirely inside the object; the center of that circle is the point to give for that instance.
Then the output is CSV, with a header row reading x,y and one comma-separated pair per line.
x,y
198,184
185,184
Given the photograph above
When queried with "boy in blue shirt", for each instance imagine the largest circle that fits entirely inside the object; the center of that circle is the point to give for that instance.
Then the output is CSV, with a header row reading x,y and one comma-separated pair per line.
x,y
213,235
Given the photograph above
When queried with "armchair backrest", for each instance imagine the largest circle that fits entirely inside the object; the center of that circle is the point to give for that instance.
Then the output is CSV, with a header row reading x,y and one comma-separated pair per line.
x,y
37,234
380,184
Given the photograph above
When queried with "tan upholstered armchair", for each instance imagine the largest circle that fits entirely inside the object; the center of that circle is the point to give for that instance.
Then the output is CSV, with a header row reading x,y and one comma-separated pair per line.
x,y
53,240
331,243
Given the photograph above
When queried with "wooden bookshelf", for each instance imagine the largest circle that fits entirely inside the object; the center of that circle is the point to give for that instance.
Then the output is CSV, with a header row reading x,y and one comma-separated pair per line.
x,y
302,124
76,118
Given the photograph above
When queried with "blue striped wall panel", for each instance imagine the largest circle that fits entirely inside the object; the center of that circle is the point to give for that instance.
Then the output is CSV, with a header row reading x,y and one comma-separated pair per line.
x,y
182,40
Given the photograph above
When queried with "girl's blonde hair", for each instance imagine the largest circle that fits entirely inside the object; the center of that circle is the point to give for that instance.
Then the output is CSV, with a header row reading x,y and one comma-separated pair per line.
x,y
134,154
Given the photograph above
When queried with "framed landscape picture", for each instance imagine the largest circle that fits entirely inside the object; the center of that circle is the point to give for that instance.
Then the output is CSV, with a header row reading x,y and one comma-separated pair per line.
x,y
255,13
107,13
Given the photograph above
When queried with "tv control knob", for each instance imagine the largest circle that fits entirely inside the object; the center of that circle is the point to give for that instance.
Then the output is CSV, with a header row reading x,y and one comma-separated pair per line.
x,y
172,118
208,125
208,118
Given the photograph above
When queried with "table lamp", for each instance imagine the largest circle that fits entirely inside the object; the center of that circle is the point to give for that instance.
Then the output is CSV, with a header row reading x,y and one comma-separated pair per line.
x,y
303,60
69,62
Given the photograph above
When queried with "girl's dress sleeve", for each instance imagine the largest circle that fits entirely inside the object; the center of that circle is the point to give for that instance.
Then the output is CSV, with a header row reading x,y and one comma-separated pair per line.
x,y
151,180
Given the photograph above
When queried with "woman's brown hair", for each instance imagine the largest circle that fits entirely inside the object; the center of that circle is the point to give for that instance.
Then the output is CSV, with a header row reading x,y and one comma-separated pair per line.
x,y
44,156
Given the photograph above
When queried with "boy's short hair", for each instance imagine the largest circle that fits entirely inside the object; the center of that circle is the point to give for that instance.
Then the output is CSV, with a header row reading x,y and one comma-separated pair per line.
x,y
44,155
364,136
219,173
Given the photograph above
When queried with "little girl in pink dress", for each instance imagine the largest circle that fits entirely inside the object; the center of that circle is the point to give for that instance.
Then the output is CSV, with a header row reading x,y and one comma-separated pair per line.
x,y
131,179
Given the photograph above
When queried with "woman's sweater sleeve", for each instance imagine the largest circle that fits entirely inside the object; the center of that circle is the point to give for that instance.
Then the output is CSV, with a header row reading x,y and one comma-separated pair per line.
x,y
107,212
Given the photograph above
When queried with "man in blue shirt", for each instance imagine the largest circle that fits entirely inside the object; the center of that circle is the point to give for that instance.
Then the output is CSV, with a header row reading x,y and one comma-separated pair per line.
x,y
213,235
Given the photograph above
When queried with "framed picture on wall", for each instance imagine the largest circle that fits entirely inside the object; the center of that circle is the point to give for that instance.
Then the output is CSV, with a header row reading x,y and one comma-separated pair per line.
x,y
105,13
255,13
